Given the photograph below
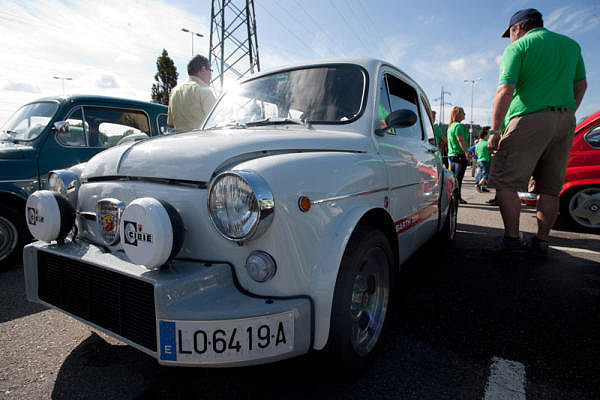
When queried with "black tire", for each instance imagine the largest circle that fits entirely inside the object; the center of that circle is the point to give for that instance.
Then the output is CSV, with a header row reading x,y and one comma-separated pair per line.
x,y
448,232
580,208
13,236
361,299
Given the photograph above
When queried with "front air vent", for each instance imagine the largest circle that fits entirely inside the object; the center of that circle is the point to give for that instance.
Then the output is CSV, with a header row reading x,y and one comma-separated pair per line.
x,y
118,303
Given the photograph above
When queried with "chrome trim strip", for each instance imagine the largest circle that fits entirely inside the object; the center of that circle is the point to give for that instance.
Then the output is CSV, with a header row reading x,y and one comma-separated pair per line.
x,y
20,180
87,215
407,185
346,196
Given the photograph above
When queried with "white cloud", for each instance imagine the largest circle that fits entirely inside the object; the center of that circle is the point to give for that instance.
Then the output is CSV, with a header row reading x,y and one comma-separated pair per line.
x,y
458,64
570,20
107,48
21,87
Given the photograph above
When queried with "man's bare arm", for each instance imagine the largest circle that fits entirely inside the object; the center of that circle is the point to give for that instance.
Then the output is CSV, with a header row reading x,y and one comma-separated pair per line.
x,y
502,99
579,90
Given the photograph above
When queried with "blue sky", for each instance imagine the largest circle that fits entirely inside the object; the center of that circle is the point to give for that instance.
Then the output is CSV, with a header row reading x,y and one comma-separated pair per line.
x,y
110,47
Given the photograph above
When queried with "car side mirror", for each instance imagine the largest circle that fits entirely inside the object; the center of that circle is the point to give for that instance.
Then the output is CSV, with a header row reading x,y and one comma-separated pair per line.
x,y
61,126
398,119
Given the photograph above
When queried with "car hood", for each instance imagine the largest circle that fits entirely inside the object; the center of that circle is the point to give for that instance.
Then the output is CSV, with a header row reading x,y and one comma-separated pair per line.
x,y
14,151
196,156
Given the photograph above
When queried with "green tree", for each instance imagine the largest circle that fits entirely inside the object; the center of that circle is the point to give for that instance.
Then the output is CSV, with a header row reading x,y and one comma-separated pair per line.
x,y
166,79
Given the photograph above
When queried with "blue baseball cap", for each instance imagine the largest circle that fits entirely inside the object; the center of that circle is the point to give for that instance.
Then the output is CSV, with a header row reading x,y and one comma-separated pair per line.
x,y
528,13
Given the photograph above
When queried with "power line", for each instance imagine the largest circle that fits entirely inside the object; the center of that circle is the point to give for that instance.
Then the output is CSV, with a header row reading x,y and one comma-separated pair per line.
x,y
372,23
348,24
316,23
367,34
287,29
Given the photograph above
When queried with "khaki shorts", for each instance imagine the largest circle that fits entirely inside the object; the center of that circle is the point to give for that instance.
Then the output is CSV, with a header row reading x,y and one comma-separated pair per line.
x,y
536,146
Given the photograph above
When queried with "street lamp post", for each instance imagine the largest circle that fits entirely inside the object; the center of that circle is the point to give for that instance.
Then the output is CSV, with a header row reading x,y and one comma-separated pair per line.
x,y
472,81
193,34
63,79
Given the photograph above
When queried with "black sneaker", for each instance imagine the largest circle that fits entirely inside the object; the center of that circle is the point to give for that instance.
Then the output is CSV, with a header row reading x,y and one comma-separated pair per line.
x,y
484,189
536,247
462,201
492,202
479,189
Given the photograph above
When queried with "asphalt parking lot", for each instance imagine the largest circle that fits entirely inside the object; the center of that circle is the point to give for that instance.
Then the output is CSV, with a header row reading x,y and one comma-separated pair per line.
x,y
464,327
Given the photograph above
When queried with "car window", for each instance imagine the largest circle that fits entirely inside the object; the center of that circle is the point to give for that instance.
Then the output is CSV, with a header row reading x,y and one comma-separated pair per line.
x,y
163,127
427,123
29,121
402,96
593,137
329,94
75,136
110,126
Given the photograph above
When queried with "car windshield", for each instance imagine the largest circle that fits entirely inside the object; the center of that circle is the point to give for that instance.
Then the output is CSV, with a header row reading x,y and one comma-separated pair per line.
x,y
329,94
29,121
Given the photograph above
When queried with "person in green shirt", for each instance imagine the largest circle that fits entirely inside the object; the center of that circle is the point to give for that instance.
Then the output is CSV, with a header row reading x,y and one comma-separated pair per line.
x,y
440,140
542,82
483,160
458,152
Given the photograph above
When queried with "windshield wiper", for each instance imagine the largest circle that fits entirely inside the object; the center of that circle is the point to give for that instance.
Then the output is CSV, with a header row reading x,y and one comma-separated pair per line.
x,y
236,125
279,121
6,136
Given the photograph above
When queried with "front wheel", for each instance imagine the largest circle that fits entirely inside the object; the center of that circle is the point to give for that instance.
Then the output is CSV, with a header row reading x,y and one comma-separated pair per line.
x,y
361,297
581,207
13,234
448,232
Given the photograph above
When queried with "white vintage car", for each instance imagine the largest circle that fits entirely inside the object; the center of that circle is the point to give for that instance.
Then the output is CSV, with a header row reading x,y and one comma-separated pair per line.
x,y
277,229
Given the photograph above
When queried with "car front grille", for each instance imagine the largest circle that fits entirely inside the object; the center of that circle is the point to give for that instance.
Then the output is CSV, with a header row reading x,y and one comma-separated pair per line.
x,y
116,302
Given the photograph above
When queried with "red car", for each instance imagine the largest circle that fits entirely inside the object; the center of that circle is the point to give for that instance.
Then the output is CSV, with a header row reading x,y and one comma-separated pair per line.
x,y
580,194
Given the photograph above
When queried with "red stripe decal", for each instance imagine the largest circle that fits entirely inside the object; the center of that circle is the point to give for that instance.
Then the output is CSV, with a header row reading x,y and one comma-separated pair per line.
x,y
412,220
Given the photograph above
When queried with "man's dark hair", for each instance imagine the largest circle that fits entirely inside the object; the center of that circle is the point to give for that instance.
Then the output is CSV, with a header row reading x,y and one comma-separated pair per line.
x,y
529,24
196,64
484,132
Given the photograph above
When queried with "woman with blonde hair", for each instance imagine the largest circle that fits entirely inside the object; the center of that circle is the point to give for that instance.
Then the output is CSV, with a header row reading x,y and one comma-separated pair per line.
x,y
458,153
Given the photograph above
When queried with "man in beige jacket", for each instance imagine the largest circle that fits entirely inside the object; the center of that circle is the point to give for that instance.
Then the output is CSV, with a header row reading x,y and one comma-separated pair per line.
x,y
191,101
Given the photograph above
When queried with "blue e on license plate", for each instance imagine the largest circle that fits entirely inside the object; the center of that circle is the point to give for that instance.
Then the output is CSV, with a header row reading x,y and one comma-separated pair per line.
x,y
207,342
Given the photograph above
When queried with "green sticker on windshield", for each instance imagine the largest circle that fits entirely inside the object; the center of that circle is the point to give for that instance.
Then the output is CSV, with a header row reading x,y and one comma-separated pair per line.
x,y
282,79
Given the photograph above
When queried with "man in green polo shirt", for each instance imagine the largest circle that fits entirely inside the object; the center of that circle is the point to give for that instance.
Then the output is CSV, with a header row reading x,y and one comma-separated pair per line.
x,y
542,82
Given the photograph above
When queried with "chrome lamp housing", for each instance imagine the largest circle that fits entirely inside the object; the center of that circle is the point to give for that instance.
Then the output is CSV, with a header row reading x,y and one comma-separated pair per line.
x,y
240,205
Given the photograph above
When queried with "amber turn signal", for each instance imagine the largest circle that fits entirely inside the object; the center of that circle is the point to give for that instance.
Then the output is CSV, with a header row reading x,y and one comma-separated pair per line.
x,y
304,203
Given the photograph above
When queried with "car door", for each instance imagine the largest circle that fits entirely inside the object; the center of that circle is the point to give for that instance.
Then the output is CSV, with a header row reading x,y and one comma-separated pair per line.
x,y
91,130
409,163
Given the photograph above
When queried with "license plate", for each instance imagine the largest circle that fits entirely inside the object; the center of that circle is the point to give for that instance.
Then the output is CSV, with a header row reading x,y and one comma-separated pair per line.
x,y
226,341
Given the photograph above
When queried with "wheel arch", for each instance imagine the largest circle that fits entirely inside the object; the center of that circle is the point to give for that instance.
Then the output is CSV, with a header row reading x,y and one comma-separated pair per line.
x,y
12,200
325,275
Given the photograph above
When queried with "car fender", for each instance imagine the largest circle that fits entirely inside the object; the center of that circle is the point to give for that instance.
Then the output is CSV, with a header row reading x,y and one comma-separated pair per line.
x,y
309,245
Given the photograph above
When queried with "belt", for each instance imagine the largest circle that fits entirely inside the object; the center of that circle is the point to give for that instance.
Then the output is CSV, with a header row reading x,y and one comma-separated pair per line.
x,y
557,108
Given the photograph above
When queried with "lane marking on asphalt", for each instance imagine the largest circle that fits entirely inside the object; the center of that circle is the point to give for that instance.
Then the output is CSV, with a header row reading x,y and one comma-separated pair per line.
x,y
575,250
506,381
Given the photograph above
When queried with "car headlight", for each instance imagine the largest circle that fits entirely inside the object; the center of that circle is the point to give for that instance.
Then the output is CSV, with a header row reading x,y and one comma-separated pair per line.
x,y
64,182
151,232
49,215
240,205
260,266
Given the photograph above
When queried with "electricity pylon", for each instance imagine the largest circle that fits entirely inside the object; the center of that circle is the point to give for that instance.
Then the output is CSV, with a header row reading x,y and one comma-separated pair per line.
x,y
233,43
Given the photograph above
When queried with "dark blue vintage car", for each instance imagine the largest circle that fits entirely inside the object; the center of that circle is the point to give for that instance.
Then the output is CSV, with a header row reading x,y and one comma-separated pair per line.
x,y
58,132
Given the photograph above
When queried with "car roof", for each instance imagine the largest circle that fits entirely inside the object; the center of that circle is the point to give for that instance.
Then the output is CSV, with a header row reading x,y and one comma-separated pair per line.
x,y
82,98
588,120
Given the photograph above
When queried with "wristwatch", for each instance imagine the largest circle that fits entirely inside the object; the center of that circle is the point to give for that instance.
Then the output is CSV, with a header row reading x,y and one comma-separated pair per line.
x,y
493,132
